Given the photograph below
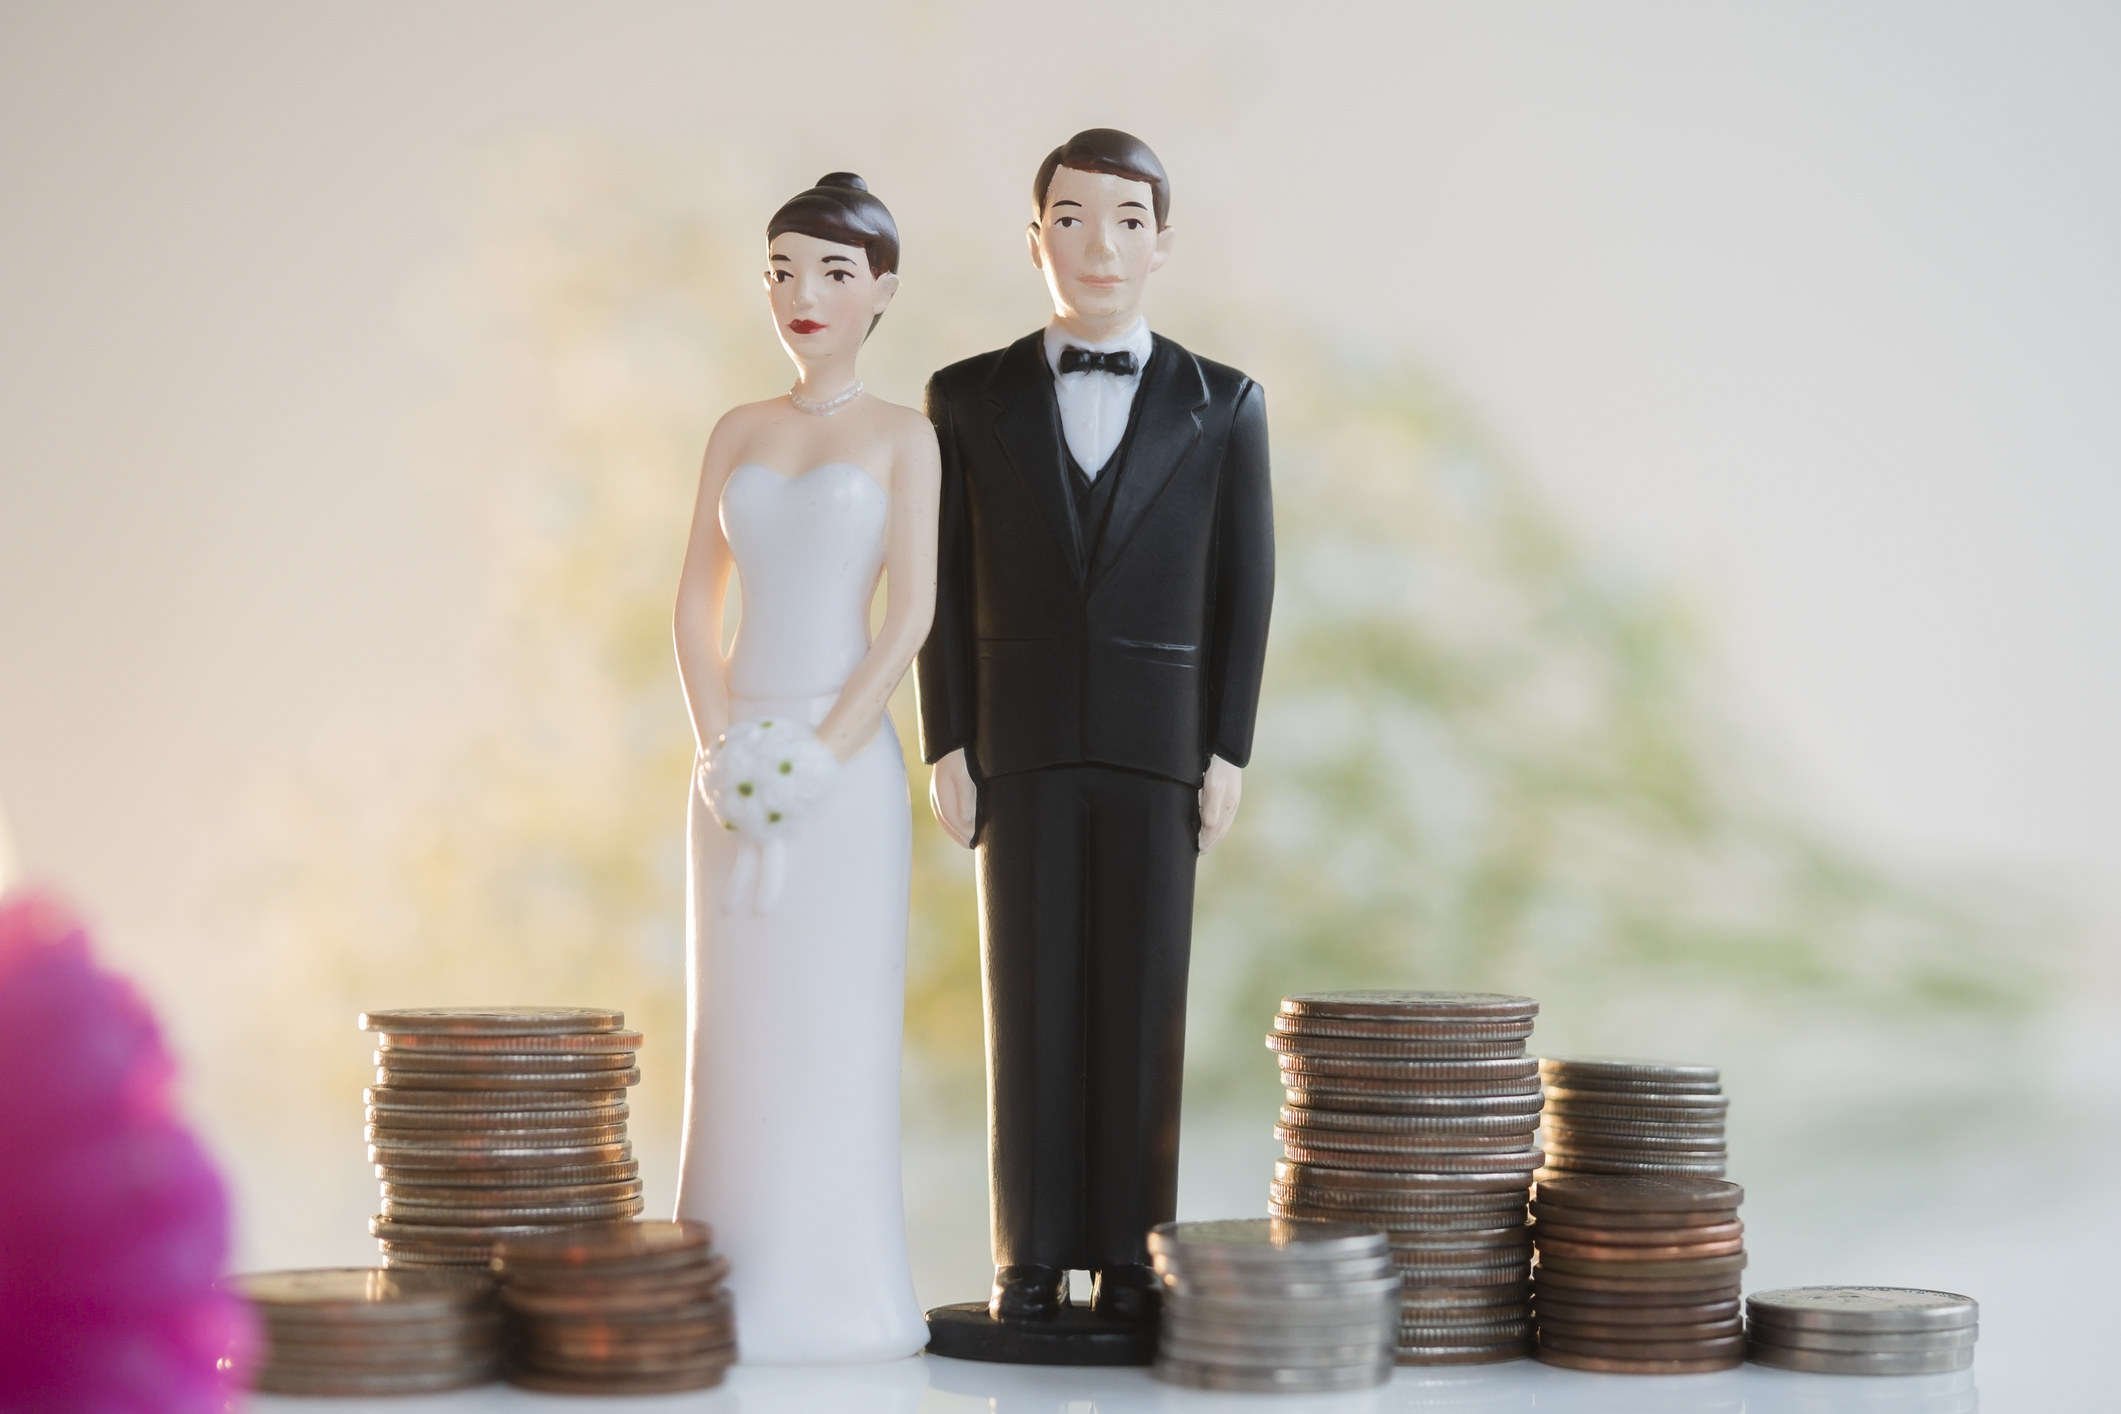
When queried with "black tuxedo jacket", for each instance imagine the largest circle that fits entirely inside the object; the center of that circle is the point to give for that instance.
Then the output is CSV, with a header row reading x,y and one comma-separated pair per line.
x,y
1148,656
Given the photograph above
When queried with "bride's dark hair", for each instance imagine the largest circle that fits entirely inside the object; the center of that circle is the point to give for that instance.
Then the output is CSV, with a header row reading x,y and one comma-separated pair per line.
x,y
840,209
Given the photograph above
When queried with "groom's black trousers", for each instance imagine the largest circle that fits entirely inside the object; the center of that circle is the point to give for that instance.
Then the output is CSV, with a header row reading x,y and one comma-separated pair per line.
x,y
1086,908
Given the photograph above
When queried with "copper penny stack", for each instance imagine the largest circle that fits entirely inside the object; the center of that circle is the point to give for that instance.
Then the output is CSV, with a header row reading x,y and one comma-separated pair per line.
x,y
1416,1112
1633,1116
364,1330
616,1308
497,1122
1638,1274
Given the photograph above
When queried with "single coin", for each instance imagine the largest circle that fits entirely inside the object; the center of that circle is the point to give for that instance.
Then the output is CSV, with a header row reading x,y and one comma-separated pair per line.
x,y
1713,1113
491,1021
428,1156
1710,1348
1631,1314
474,1141
705,1375
1869,1342
405,1119
1467,1239
427,1353
399,1077
1638,1236
1302,1173
1675,1267
1413,1205
1423,1354
1710,1128
609,1246
1266,1238
1613,1092
1445,1125
1405,1028
1438,1259
547,1196
1844,1362
582,1293
492,1101
1521,1068
1431,1102
512,1066
1595,1069
1610,1333
1638,1253
1395,1225
1429,1278
1359,1352
1651,1193
460,1043
1572,1144
1392,1005
274,1379
1370,1048
1613,1365
1343,1090
1509,1161
1862,1308
637,1341
1462,1332
513,1175
1361,1142
1376,1300
1566,1299
441,1235
1562,1165
1195,1374
1301,1284
398,1210
1609,1219
1270,1337
1574,1286
359,1293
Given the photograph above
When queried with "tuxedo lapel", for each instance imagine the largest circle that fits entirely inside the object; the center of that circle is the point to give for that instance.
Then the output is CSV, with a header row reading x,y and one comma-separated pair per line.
x,y
1166,429
1026,422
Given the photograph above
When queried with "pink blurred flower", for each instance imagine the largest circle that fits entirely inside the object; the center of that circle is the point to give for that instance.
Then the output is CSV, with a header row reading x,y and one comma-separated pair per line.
x,y
113,1221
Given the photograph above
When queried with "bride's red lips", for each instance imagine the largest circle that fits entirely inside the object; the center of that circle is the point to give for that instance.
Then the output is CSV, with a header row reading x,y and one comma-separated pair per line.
x,y
804,326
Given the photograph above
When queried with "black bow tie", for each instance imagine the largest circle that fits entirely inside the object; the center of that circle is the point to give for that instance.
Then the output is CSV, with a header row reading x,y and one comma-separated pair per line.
x,y
1119,361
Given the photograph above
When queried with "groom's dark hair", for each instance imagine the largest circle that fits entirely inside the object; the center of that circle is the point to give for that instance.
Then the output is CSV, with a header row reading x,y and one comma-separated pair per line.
x,y
1110,151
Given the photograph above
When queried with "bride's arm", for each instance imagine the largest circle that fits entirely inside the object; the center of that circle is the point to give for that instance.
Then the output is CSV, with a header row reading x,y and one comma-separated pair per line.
x,y
909,599
703,589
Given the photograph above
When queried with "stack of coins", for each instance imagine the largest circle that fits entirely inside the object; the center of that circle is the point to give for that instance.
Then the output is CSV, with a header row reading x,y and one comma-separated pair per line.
x,y
1270,1305
364,1330
1415,1112
497,1122
1638,1275
1630,1116
1862,1330
617,1308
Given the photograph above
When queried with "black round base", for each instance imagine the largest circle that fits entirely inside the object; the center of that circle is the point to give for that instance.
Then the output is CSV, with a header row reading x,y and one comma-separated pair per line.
x,y
1075,1336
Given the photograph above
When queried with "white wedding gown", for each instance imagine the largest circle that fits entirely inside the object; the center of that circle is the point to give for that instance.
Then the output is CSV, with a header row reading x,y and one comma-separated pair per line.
x,y
791,1144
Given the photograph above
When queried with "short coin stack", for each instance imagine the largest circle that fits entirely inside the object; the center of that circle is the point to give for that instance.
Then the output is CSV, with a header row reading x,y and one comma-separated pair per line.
x,y
1638,1275
1267,1304
616,1308
364,1330
497,1122
1631,1116
1861,1330
1415,1112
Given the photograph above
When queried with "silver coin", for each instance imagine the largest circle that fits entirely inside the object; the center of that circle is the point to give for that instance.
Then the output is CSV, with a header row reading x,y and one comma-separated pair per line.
x,y
1373,1005
1268,1238
480,1101
1447,1124
491,1021
1867,1342
1416,1144
1397,1048
1364,1303
1198,1375
1319,1091
1522,1162
1594,1069
1394,1224
1430,1332
1366,1199
1273,1331
398,1078
1302,1174
1862,1308
1299,1286
1429,1103
1292,1357
1569,1126
1586,1164
1631,1092
1843,1362
1690,1151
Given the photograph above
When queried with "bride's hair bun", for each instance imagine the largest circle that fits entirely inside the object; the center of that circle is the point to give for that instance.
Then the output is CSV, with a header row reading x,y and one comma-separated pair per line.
x,y
841,209
843,179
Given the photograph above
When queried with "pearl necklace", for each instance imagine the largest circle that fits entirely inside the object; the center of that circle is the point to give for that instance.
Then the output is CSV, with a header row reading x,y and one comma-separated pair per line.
x,y
830,405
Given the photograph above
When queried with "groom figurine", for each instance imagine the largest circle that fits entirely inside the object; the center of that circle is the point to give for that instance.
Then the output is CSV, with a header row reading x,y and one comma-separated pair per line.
x,y
1087,696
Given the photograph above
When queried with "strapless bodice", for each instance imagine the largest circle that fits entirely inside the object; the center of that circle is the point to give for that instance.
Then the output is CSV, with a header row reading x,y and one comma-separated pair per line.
x,y
808,552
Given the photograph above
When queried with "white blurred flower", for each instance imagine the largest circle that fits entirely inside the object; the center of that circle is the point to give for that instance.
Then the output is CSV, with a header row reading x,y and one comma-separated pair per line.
x,y
761,778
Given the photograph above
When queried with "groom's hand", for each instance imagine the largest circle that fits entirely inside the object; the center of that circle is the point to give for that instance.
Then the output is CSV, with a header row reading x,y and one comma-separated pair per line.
x,y
1219,790
953,797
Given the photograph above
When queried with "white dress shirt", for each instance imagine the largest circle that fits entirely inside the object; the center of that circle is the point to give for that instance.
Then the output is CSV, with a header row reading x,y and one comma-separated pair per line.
x,y
1094,406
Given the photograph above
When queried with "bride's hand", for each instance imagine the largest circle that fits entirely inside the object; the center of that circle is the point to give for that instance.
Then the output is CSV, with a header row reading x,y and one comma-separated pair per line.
x,y
761,778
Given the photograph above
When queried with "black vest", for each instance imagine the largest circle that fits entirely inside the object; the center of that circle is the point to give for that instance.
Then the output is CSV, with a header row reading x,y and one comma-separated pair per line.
x,y
1091,497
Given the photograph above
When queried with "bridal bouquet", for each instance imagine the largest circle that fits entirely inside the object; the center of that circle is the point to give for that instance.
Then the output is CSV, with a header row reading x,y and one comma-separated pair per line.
x,y
762,777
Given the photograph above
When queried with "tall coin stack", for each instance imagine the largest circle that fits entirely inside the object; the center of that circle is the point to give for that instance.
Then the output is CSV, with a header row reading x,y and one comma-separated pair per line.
x,y
1862,1330
1638,1275
1416,1112
363,1330
497,1122
1265,1304
617,1308
1630,1116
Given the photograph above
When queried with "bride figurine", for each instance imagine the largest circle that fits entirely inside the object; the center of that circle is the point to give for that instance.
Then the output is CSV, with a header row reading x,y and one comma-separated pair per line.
x,y
799,826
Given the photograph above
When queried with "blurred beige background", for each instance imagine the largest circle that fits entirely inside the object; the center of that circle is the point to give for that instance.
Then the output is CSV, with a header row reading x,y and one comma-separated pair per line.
x,y
352,363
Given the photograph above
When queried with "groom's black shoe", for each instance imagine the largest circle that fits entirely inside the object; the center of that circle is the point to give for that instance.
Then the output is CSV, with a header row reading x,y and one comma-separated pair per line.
x,y
1129,1294
1027,1292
